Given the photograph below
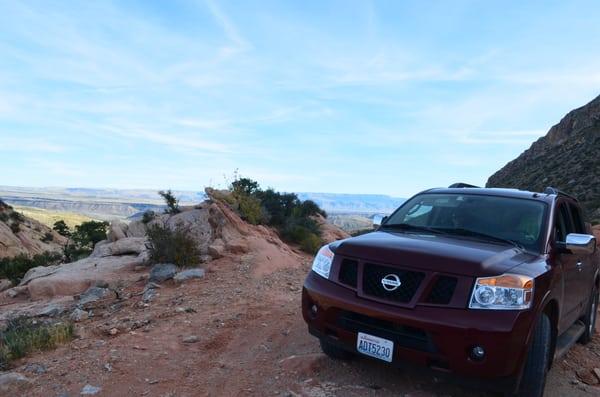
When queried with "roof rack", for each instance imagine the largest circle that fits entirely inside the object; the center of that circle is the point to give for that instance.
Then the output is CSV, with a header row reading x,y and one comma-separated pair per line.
x,y
461,185
552,190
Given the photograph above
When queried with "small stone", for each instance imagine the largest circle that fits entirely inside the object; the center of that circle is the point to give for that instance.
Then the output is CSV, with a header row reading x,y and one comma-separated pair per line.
x,y
79,315
89,390
191,339
11,379
5,284
108,367
162,272
188,275
94,294
113,331
35,368
149,295
51,310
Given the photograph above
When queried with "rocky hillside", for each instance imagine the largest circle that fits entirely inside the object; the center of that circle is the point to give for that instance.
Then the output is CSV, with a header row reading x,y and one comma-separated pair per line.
x,y
566,158
22,235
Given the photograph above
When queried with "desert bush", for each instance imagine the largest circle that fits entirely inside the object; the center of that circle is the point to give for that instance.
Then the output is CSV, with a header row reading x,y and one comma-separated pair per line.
x,y
15,227
3,217
172,246
83,240
16,217
284,211
62,228
48,236
23,335
171,201
15,268
148,216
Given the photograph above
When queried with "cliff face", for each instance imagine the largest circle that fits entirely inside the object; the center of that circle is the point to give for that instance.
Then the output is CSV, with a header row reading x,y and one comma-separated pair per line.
x,y
22,235
566,158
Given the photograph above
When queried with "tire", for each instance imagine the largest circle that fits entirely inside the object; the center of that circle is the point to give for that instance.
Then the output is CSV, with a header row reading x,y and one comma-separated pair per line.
x,y
335,352
533,380
590,318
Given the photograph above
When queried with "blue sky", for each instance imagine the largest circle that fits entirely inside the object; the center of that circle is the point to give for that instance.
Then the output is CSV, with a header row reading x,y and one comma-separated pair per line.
x,y
333,96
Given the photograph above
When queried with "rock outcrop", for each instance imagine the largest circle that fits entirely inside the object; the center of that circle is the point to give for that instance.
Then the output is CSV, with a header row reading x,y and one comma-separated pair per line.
x,y
22,235
566,158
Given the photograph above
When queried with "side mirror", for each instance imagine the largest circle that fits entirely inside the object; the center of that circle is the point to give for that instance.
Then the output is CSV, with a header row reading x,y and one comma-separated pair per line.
x,y
583,244
378,220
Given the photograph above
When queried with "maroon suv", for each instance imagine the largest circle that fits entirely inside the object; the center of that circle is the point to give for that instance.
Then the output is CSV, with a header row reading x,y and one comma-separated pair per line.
x,y
489,285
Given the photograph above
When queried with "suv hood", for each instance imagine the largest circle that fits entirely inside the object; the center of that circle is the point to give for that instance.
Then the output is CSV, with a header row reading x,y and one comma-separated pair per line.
x,y
438,253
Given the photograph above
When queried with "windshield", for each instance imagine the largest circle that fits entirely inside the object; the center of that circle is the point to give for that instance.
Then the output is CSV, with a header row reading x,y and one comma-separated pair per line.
x,y
494,218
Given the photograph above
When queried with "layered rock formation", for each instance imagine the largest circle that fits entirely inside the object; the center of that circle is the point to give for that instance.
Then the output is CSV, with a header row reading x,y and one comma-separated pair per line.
x,y
22,235
566,158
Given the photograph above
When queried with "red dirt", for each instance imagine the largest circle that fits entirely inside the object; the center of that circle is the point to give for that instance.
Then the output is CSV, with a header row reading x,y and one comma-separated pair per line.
x,y
252,342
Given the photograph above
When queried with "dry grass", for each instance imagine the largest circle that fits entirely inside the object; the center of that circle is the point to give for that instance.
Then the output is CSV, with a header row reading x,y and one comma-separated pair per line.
x,y
48,217
25,335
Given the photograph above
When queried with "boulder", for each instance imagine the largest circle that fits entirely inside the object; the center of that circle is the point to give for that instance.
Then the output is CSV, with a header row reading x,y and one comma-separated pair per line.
x,y
5,284
162,272
217,249
11,380
116,231
123,246
188,274
37,272
94,294
74,278
51,310
79,315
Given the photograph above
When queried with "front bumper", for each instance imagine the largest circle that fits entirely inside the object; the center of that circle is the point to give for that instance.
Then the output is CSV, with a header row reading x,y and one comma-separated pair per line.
x,y
431,336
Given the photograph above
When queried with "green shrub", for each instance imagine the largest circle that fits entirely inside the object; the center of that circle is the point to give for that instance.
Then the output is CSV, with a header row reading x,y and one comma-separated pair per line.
x,y
16,217
15,227
23,335
284,211
15,268
171,201
3,217
48,236
62,228
148,216
172,246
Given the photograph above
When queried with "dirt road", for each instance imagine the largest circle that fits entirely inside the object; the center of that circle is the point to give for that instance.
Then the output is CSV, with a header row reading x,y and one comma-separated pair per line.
x,y
234,334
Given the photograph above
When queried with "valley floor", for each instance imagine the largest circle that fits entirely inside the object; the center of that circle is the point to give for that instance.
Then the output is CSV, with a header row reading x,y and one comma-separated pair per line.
x,y
233,334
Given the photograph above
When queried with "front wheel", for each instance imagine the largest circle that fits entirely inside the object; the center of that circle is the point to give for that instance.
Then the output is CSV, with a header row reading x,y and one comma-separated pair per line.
x,y
590,318
538,360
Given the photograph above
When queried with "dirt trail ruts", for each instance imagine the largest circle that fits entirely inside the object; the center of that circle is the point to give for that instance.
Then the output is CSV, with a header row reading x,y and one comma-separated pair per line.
x,y
252,341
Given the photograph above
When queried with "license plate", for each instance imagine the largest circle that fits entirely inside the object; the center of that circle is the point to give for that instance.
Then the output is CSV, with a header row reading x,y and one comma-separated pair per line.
x,y
375,346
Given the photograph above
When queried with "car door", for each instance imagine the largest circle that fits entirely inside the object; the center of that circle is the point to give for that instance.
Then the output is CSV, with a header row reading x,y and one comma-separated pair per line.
x,y
585,264
569,265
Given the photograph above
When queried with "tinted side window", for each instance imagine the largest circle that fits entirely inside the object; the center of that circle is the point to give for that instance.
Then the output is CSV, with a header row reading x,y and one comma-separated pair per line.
x,y
578,222
563,223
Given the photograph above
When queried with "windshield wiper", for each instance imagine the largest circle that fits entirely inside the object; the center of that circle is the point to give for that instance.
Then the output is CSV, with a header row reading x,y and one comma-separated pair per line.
x,y
483,236
415,228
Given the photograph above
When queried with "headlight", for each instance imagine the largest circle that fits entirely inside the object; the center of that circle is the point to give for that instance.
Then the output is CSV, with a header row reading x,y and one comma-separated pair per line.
x,y
505,292
322,263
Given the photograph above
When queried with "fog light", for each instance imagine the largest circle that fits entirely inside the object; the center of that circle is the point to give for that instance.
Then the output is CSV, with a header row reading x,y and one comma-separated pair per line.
x,y
477,353
313,311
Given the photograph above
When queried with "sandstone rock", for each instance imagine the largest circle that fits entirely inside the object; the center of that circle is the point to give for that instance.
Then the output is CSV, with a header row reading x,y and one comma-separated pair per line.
x,y
79,315
136,229
16,291
217,249
117,230
89,390
51,310
74,278
162,272
149,295
191,339
37,272
5,284
94,294
124,246
9,380
188,274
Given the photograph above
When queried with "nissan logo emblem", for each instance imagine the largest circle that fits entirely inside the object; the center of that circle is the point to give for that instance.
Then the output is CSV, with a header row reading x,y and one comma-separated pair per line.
x,y
391,282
